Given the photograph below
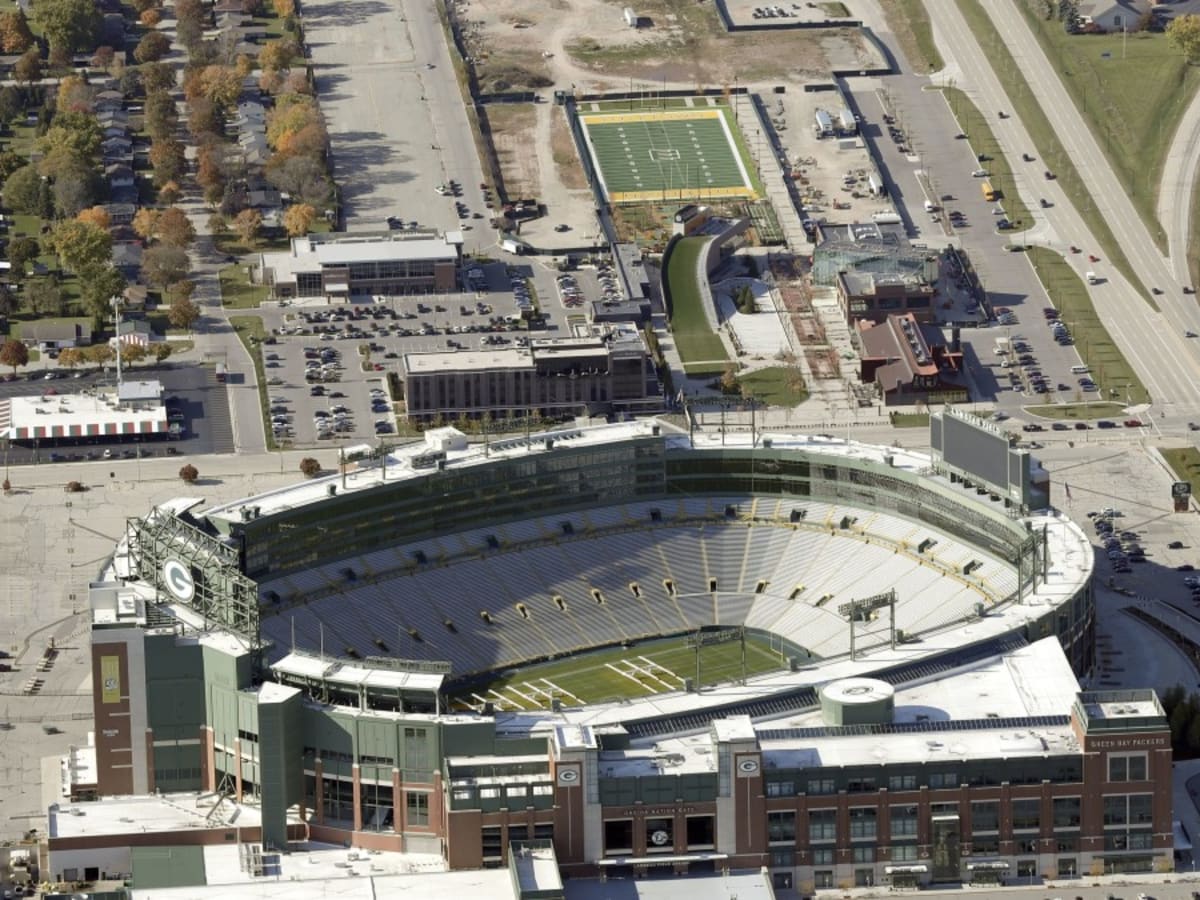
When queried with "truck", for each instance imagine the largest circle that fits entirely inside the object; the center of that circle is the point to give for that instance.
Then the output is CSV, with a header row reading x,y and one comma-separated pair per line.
x,y
222,373
1003,346
508,245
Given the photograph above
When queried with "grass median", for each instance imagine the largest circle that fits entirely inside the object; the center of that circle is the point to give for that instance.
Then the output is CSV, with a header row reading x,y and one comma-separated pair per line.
x,y
1104,358
1185,463
909,21
1045,139
250,332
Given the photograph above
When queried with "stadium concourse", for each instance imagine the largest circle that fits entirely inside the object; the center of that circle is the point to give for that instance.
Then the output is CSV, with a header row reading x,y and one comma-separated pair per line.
x,y
297,652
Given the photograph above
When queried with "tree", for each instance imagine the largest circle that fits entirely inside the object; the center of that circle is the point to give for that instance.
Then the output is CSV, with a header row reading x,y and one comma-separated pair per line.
x,y
247,225
11,103
189,473
15,36
69,25
24,192
181,289
302,177
45,296
217,223
104,57
729,382
162,350
156,76
14,353
164,265
310,467
74,95
21,252
1183,34
183,313
278,54
9,302
151,48
145,223
167,158
81,246
220,85
70,357
298,219
190,11
174,228
10,161
150,18
98,289
293,113
284,8
132,352
29,67
100,354
170,194
96,215
74,190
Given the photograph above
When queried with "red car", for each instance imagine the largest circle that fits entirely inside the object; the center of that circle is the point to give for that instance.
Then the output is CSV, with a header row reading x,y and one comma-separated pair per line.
x,y
1133,423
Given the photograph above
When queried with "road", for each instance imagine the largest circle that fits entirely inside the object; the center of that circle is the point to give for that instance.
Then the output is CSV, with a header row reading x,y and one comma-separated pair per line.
x,y
1152,342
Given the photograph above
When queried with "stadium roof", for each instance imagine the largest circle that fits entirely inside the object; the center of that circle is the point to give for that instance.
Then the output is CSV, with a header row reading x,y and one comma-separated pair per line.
x,y
303,665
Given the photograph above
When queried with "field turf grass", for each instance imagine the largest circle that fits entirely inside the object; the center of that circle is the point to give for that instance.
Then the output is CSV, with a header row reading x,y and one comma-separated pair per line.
x,y
590,677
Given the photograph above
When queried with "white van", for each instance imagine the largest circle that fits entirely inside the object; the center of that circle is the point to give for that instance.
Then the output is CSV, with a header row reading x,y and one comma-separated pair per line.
x,y
1080,370
930,206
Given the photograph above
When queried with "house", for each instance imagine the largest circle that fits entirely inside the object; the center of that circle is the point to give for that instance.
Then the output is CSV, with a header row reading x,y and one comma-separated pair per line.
x,y
135,297
116,147
109,99
114,131
264,198
120,213
112,117
254,148
135,331
57,333
124,195
1112,15
127,259
119,175
230,7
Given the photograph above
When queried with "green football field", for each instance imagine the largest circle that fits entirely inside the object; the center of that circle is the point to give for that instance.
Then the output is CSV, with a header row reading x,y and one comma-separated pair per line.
x,y
688,154
646,668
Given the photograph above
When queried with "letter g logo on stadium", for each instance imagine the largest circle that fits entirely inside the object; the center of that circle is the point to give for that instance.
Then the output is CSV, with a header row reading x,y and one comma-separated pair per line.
x,y
178,580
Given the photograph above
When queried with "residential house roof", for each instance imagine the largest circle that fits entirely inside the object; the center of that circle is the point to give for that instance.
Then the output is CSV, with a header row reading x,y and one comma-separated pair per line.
x,y
55,330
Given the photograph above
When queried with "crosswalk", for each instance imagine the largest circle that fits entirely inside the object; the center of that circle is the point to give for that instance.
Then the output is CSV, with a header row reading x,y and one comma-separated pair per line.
x,y
218,414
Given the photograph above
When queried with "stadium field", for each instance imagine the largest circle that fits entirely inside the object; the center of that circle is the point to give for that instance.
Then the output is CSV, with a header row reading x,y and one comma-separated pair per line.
x,y
688,154
648,667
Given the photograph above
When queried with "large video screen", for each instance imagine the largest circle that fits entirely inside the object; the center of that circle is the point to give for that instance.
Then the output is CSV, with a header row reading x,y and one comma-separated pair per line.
x,y
980,451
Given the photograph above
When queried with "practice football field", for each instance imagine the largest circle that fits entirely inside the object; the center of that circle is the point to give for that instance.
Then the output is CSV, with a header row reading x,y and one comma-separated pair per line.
x,y
645,668
689,154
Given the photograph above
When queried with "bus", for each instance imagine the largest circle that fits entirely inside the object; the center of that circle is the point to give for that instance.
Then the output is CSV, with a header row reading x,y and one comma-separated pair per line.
x,y
989,193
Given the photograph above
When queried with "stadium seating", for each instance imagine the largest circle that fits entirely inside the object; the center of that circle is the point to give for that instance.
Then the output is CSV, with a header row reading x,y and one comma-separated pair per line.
x,y
386,604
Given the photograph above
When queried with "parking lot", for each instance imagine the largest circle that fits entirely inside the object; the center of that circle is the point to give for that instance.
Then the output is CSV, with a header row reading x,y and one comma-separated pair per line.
x,y
327,365
194,399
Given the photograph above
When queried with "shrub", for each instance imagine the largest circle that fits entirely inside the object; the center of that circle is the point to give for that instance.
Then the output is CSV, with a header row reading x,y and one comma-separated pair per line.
x,y
189,474
310,467
73,487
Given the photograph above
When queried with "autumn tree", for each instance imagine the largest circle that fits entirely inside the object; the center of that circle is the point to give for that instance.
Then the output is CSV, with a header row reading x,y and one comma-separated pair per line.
x,y
74,95
152,47
26,193
170,194
162,265
217,223
183,313
220,85
298,219
96,215
181,290
309,467
14,353
284,8
301,177
167,158
145,223
132,352
69,25
29,67
278,54
247,224
15,36
189,474
104,57
161,351
156,76
1183,34
161,115
291,115
81,246
174,228
99,354
70,357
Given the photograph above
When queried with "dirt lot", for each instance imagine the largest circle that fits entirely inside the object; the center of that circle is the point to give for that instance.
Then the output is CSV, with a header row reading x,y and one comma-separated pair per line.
x,y
587,45
512,124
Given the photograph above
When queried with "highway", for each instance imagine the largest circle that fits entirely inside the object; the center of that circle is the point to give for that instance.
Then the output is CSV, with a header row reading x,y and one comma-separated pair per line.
x,y
1152,342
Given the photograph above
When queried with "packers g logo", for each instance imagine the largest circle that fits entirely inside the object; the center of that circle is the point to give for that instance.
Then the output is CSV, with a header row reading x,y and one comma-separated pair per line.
x,y
178,580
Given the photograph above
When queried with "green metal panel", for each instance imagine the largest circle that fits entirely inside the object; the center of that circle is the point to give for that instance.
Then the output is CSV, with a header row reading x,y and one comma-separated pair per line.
x,y
167,867
282,779
174,687
378,739
469,739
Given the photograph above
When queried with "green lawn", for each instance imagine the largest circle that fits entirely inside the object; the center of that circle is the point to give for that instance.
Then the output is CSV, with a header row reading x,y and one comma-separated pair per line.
x,y
236,290
1076,411
1185,462
975,126
1132,90
587,675
909,21
774,386
695,340
1045,138
1109,367
909,420
250,332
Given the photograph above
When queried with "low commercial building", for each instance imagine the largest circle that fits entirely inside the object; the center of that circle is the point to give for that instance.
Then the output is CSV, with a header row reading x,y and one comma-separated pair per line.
x,y
910,363
339,267
608,371
865,296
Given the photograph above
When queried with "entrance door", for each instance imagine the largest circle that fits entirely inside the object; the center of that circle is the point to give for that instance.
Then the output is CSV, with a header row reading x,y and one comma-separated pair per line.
x,y
945,851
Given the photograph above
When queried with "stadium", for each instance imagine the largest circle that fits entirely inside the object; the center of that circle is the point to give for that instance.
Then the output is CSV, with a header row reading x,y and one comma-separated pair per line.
x,y
642,648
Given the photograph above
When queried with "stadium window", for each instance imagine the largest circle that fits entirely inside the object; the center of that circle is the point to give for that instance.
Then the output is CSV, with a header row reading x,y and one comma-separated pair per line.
x,y
822,856
1026,814
1067,812
822,825
491,840
864,854
618,836
712,585
700,833
781,788
985,816
760,587
597,596
489,793
902,782
863,784
862,823
636,590
543,790
943,780
821,786
781,827
1127,767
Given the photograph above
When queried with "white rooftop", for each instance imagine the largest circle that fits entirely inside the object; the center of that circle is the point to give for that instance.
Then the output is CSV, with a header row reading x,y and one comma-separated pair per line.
x,y
341,672
77,415
351,250
1119,709
148,813
467,360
